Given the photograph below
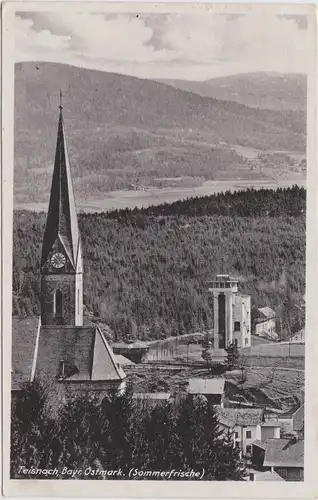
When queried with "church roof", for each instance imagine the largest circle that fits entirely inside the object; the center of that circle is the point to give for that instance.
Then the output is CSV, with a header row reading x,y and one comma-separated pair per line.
x,y
75,353
84,351
61,222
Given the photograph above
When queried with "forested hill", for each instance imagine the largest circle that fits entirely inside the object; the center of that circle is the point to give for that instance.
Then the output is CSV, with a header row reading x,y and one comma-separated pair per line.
x,y
249,203
145,276
123,130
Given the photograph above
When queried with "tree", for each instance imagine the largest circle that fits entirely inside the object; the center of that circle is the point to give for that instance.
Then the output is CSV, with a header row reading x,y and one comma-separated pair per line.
x,y
230,464
33,433
206,349
118,436
163,449
84,432
201,438
233,356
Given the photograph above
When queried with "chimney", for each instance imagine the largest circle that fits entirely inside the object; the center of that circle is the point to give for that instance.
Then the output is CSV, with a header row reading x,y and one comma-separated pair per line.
x,y
252,476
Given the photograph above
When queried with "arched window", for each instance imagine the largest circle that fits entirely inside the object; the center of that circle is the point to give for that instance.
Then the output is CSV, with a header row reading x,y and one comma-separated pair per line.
x,y
58,304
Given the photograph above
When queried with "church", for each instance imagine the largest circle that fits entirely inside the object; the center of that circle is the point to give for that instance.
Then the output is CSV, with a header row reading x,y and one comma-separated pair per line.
x,y
59,349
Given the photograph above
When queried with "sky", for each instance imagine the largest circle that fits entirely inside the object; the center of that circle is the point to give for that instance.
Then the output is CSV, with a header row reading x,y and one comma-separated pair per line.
x,y
195,46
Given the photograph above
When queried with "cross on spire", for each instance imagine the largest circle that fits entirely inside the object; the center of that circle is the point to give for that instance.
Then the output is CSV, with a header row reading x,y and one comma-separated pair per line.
x,y
61,98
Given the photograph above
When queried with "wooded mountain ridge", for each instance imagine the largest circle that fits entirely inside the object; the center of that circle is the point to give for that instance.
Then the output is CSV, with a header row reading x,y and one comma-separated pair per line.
x,y
257,90
145,275
123,130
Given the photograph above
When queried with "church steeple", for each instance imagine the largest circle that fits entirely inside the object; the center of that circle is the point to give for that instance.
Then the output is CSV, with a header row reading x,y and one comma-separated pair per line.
x,y
61,263
61,222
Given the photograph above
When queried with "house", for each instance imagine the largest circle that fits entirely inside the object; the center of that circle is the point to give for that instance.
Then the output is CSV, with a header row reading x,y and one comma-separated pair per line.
x,y
298,420
265,323
286,457
244,424
292,421
242,320
258,454
152,399
211,388
270,429
62,352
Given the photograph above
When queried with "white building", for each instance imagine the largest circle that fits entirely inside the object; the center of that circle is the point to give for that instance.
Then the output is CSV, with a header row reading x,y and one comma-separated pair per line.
x,y
231,312
211,388
247,426
265,325
242,320
244,424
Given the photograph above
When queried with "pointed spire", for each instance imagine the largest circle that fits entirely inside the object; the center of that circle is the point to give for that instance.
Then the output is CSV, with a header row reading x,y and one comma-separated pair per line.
x,y
62,219
61,101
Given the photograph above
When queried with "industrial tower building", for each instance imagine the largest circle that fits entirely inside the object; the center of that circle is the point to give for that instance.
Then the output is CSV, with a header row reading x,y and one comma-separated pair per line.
x,y
232,313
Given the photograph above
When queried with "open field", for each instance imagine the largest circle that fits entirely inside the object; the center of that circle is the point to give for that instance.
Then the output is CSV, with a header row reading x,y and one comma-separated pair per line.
x,y
155,196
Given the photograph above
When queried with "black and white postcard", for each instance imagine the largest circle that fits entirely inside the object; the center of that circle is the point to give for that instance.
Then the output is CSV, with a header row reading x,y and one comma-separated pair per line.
x,y
159,239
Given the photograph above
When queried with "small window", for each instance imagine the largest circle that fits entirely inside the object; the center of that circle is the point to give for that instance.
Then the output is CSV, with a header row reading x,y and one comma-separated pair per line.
x,y
237,326
246,341
236,435
248,434
249,449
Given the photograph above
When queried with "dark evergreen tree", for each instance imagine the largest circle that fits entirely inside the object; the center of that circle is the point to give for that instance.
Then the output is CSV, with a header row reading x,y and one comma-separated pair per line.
x,y
230,465
85,433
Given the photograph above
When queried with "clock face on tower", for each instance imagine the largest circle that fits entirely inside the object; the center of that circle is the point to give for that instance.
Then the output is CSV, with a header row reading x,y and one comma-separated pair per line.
x,y
58,260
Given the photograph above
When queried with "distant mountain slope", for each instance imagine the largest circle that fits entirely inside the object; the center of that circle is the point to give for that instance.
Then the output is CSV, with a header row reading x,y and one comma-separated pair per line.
x,y
124,130
259,90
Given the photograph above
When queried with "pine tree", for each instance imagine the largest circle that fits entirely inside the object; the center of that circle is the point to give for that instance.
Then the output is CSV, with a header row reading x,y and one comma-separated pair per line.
x,y
199,435
162,451
118,411
230,465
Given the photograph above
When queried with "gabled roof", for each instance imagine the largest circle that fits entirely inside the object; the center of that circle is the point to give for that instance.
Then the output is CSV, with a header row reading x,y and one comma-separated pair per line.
x,y
61,224
267,312
83,349
299,419
123,361
271,423
260,444
230,417
267,475
206,386
290,412
284,453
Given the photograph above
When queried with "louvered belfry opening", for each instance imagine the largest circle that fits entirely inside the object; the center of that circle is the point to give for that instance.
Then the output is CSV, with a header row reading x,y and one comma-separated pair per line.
x,y
59,307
